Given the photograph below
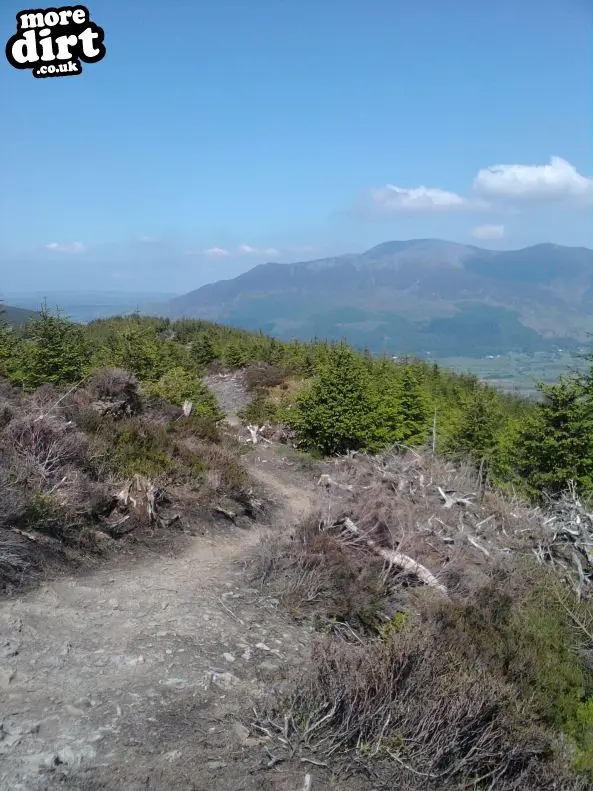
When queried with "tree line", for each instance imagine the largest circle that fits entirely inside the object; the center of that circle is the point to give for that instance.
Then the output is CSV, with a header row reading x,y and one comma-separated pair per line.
x,y
343,399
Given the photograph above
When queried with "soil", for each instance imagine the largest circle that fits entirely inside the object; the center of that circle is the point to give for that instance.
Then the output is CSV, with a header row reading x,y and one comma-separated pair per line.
x,y
144,675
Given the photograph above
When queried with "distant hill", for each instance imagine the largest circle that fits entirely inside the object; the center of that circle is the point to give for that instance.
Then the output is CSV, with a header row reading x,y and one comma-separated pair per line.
x,y
418,296
16,316
86,306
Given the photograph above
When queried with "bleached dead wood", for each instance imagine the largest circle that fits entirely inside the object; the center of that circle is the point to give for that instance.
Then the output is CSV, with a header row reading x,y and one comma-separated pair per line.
x,y
139,493
327,481
230,515
478,546
255,433
449,501
398,559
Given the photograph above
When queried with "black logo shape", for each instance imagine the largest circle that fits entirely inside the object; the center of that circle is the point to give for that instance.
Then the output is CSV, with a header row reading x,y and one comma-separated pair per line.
x,y
52,42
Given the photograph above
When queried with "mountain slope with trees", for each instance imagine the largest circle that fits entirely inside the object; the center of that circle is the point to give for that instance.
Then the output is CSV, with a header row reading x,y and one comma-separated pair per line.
x,y
412,297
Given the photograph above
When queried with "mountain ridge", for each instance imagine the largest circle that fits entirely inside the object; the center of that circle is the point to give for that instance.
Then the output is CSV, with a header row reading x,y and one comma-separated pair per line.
x,y
545,289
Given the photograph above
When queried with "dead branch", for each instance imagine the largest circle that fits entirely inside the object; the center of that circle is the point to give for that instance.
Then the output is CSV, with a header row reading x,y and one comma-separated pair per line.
x,y
449,501
327,481
478,546
397,559
256,433
230,515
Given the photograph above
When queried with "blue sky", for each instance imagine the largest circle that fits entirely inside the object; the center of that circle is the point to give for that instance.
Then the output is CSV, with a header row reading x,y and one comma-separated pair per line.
x,y
218,135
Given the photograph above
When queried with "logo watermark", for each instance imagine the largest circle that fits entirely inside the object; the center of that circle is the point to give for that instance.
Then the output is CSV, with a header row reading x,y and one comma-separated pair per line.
x,y
52,42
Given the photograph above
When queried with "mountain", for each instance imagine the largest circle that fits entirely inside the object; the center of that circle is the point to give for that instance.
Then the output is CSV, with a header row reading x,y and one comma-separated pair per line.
x,y
423,295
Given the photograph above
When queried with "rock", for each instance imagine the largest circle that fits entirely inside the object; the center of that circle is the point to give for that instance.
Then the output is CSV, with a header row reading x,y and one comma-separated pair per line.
x,y
229,657
215,765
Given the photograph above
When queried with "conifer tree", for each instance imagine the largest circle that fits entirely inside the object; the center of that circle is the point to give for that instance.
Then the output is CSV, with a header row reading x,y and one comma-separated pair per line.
x,y
54,351
414,408
478,423
203,351
337,413
555,443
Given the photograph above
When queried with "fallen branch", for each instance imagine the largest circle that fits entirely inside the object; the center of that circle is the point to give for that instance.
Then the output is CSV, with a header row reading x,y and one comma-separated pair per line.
x,y
255,434
478,546
449,501
230,515
327,481
398,559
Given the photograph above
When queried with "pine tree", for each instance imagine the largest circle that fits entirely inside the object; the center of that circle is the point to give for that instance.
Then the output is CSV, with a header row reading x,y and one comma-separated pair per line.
x,y
478,423
203,351
235,356
135,348
338,412
54,351
555,444
388,426
414,408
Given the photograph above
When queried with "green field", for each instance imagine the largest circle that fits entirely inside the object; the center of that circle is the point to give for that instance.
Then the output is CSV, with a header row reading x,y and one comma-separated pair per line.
x,y
516,372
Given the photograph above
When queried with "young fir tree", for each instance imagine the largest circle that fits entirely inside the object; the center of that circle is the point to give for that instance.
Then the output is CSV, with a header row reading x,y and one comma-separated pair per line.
x,y
477,426
203,351
178,384
235,356
555,444
388,426
414,407
338,413
54,351
135,348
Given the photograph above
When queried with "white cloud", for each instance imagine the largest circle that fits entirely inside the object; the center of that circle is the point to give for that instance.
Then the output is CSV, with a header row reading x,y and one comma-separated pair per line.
x,y
488,232
247,249
72,247
149,239
394,199
217,252
556,181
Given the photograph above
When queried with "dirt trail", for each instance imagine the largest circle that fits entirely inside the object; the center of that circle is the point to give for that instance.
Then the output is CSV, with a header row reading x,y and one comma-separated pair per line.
x,y
138,676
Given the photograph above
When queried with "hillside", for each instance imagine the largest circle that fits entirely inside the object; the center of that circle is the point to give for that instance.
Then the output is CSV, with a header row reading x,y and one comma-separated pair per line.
x,y
414,297
232,562
15,317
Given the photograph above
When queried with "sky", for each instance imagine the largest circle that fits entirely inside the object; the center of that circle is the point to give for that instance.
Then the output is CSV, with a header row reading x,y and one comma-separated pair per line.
x,y
218,135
